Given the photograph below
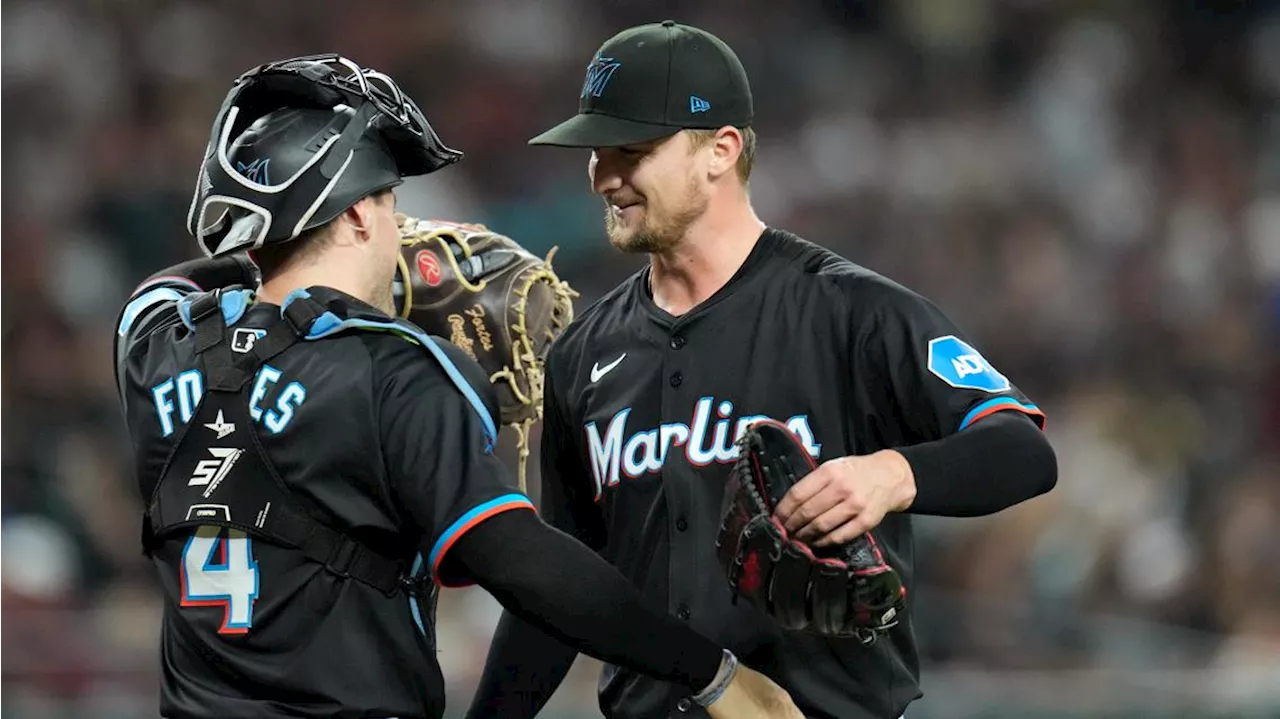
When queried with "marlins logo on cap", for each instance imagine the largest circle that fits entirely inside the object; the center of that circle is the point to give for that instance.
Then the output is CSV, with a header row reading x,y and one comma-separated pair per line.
x,y
599,72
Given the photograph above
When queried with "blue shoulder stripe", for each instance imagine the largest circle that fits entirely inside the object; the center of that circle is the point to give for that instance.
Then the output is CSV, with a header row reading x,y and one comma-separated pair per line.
x,y
329,323
143,302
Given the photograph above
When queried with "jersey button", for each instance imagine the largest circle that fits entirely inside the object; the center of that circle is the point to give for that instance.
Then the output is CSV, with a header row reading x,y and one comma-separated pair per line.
x,y
676,379
683,612
684,705
682,524
677,342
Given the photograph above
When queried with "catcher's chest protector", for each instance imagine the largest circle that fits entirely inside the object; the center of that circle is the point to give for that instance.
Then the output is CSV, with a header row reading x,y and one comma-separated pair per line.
x,y
198,489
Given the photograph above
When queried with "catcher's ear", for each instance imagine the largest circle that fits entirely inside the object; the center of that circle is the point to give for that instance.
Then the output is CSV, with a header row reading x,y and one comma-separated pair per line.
x,y
363,215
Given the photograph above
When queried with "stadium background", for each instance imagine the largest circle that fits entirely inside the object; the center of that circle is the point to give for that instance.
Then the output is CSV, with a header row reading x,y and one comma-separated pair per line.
x,y
1092,189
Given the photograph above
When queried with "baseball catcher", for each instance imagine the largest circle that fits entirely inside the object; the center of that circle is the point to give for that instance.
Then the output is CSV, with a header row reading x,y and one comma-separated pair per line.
x,y
491,297
841,591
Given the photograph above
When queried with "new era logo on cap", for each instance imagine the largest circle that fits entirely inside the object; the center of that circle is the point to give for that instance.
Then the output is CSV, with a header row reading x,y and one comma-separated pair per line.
x,y
697,104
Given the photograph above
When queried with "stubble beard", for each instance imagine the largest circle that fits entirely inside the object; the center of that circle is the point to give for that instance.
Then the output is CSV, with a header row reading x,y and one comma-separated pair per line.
x,y
652,237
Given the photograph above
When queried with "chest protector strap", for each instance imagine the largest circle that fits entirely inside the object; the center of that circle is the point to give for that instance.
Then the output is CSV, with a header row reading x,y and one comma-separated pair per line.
x,y
219,474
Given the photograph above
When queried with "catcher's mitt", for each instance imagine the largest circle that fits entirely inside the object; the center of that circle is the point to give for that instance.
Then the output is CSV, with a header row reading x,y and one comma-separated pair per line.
x,y
842,591
488,295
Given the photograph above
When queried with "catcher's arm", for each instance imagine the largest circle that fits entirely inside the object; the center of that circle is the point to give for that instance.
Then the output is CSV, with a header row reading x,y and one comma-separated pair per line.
x,y
538,574
522,655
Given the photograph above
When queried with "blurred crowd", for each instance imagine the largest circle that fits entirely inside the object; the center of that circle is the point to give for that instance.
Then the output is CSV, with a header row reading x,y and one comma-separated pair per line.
x,y
1090,189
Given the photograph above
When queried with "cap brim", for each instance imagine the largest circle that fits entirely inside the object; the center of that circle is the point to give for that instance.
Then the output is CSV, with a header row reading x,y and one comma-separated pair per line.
x,y
596,130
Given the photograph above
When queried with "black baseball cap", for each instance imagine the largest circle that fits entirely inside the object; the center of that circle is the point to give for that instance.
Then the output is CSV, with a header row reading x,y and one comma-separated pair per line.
x,y
651,81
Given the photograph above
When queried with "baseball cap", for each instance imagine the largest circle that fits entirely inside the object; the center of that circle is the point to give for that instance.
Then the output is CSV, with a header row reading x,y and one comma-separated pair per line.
x,y
651,81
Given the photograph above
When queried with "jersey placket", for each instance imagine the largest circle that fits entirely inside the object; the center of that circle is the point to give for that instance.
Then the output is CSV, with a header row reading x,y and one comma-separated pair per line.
x,y
675,484
676,487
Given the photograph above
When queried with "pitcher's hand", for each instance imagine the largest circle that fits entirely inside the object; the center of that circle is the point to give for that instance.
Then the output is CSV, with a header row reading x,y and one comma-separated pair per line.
x,y
845,497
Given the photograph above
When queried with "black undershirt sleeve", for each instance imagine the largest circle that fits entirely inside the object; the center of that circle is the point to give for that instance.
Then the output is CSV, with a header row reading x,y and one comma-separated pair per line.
x,y
999,461
526,665
539,573
524,668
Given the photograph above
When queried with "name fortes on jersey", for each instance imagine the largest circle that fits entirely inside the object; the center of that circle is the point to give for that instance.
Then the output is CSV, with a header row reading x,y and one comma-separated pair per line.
x,y
181,396
706,439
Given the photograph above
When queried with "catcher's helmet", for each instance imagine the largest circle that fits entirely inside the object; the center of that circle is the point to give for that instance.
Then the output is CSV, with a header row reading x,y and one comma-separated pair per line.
x,y
298,141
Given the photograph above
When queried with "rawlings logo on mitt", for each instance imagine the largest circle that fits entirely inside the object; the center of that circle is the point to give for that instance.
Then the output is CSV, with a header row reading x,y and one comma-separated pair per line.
x,y
491,297
842,591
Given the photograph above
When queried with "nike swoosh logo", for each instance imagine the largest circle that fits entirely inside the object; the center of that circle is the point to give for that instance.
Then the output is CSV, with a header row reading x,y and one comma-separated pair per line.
x,y
597,371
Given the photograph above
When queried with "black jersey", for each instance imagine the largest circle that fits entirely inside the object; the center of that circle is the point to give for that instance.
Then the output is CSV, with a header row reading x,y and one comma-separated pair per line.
x,y
642,410
305,470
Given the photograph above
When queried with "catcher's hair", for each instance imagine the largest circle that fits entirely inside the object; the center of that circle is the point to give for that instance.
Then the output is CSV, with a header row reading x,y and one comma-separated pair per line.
x,y
701,138
272,259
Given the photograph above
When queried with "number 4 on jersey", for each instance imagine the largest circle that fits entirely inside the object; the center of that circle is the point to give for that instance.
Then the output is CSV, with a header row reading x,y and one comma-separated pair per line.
x,y
228,580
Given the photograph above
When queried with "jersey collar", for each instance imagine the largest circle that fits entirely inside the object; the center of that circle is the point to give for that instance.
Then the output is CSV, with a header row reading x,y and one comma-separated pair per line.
x,y
751,270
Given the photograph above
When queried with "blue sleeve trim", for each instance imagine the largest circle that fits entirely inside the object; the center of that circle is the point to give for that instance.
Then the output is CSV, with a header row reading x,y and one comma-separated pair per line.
x,y
470,519
993,405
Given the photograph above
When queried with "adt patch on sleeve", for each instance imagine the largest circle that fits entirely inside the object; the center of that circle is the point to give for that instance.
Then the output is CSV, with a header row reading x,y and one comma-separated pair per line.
x,y
962,366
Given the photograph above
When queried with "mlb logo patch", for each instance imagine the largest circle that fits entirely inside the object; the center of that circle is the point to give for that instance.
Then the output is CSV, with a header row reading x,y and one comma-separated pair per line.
x,y
242,339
